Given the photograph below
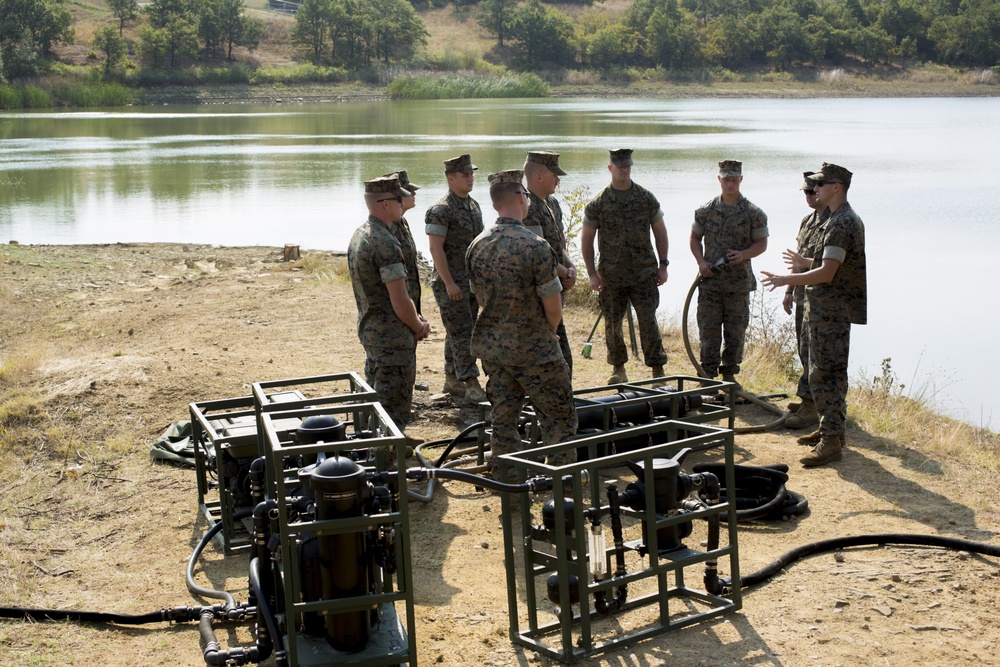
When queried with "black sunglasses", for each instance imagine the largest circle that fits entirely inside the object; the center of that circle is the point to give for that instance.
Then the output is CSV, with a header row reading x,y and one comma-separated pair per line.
x,y
399,199
809,192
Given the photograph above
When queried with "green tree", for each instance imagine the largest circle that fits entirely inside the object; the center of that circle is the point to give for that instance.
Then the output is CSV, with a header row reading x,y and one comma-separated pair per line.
x,y
671,37
542,34
495,17
152,45
312,26
124,11
786,39
971,37
397,29
112,43
238,29
28,29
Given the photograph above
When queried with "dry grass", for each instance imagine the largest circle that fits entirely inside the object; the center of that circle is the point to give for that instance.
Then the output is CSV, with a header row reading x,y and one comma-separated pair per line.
x,y
455,31
325,266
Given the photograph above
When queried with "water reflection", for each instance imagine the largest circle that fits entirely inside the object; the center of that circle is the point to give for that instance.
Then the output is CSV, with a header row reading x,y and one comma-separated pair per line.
x,y
292,174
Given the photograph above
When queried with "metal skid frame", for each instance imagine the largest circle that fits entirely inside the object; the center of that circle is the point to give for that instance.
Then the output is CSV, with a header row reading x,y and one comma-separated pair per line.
x,y
232,427
674,601
392,642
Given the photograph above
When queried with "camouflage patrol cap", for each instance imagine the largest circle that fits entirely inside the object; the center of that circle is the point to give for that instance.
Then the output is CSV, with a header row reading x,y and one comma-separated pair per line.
x,y
506,176
460,164
385,185
404,180
621,157
730,169
547,159
832,173
807,184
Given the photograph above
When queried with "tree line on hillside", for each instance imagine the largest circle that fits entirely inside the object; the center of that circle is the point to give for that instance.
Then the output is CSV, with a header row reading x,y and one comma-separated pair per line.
x,y
170,31
734,34
677,34
670,34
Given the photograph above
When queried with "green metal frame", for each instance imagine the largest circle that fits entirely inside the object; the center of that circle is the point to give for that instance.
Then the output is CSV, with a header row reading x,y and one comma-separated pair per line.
x,y
232,427
393,642
572,635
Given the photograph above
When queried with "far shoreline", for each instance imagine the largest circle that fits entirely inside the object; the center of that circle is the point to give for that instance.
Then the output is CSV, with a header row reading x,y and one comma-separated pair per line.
x,y
853,87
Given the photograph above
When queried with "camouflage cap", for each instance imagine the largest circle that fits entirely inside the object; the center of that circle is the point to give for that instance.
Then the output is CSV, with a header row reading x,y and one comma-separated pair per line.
x,y
385,185
621,157
807,184
832,172
730,168
548,159
404,180
462,163
506,176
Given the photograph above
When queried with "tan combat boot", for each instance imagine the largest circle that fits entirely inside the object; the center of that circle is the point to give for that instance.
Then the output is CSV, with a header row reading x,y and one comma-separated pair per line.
x,y
453,386
828,450
810,440
813,439
658,372
618,375
793,407
804,417
473,391
731,377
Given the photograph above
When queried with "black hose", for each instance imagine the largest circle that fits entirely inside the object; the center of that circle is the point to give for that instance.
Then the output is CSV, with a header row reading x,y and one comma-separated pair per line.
x,y
883,539
782,415
536,485
263,609
194,588
176,614
458,438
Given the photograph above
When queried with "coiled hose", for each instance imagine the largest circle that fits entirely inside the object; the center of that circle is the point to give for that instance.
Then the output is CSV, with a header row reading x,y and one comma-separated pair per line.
x,y
782,415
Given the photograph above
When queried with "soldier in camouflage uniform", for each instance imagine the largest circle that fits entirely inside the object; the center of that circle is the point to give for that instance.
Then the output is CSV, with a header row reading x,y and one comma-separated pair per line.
x,y
804,412
513,273
836,297
624,213
451,224
541,175
734,229
401,230
388,323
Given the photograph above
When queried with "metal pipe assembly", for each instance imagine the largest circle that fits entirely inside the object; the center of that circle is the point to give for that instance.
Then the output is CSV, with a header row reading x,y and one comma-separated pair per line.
x,y
624,543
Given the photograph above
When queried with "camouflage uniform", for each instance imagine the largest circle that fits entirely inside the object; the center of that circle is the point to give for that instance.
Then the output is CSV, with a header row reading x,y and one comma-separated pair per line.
x,y
627,267
545,219
807,228
724,299
401,230
458,221
374,258
512,270
831,308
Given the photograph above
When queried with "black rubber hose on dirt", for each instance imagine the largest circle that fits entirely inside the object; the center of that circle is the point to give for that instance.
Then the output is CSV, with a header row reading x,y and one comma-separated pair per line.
x,y
836,543
782,415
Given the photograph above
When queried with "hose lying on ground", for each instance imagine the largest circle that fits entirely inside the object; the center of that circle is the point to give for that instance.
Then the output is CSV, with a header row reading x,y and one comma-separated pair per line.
x,y
782,415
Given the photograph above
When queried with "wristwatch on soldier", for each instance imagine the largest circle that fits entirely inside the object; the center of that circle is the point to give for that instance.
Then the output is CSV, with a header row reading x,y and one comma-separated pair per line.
x,y
664,262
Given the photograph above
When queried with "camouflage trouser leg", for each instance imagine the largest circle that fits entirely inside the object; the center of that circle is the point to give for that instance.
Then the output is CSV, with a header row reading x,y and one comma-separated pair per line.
x,y
551,393
458,318
803,343
645,298
391,374
829,348
723,318
564,346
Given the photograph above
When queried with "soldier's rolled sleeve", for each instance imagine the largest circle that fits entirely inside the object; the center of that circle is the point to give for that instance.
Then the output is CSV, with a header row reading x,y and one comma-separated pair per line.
x,y
434,229
657,216
392,272
698,228
589,222
759,233
550,288
834,252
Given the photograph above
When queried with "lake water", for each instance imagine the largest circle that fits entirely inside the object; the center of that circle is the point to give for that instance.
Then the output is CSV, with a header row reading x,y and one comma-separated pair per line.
x,y
250,175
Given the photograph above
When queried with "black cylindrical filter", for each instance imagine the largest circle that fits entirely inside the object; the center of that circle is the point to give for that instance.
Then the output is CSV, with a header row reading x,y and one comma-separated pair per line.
x,y
340,492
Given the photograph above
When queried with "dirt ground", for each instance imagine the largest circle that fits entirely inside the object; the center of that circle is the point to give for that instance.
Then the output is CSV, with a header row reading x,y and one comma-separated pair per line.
x,y
121,338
